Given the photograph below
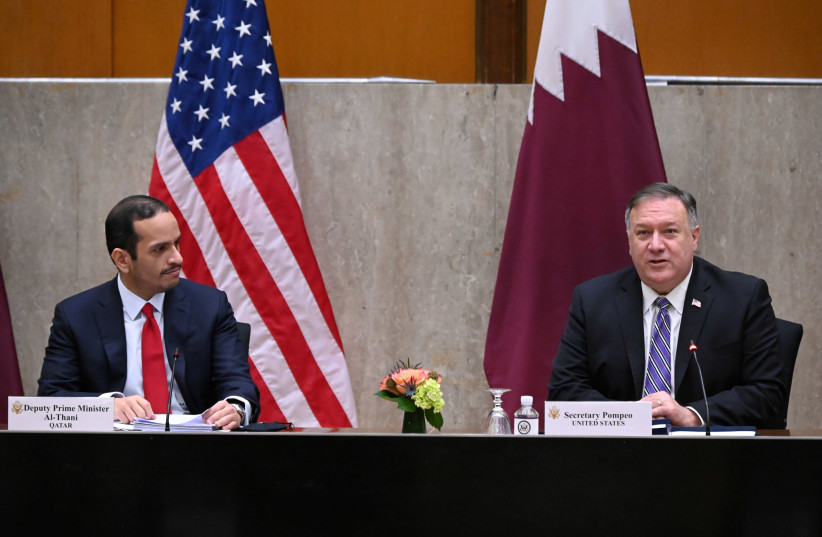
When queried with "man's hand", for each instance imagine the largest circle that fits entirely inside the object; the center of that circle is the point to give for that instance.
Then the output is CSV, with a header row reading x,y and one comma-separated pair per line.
x,y
664,406
127,409
222,415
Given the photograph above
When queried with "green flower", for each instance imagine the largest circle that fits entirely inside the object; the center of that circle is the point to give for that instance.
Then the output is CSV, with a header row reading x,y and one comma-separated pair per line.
x,y
429,395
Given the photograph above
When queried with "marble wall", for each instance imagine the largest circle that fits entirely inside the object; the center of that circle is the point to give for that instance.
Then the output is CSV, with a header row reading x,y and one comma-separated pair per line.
x,y
405,193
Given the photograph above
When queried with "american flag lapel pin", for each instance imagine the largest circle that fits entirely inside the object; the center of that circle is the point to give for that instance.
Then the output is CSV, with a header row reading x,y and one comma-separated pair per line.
x,y
696,303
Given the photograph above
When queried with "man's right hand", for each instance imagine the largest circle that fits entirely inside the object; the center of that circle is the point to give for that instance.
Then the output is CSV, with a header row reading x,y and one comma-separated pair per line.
x,y
127,409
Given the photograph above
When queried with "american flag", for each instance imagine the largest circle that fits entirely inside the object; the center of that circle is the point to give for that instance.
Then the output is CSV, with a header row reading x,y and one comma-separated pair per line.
x,y
223,165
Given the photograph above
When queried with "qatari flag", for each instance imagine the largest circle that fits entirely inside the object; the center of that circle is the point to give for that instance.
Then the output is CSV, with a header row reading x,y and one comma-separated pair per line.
x,y
10,383
589,144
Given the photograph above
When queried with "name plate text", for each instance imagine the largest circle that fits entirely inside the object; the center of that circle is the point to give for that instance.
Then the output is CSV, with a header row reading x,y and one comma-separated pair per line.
x,y
61,414
597,418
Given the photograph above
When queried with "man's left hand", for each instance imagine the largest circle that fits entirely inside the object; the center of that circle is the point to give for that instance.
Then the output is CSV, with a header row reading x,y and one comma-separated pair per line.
x,y
222,415
664,406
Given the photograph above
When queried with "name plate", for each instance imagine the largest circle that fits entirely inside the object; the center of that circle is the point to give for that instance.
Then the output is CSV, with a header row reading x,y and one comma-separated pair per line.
x,y
61,414
597,418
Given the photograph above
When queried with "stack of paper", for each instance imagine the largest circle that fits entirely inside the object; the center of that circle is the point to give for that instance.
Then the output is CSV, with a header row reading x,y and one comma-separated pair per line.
x,y
179,423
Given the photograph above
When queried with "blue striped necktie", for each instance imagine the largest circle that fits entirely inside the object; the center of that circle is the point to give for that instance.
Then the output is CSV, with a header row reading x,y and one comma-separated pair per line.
x,y
658,375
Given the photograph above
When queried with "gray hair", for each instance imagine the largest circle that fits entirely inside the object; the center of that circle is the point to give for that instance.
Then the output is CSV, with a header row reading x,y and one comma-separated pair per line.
x,y
662,191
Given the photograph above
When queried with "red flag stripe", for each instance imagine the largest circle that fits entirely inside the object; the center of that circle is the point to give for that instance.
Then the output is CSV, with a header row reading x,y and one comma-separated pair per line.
x,y
270,411
257,154
197,270
267,297
280,260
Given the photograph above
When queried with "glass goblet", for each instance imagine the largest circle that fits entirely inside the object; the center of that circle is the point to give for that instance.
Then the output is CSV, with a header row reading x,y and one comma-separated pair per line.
x,y
498,422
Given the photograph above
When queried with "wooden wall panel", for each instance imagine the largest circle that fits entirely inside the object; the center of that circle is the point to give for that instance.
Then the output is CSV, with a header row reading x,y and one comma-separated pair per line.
x,y
427,39
730,38
55,38
145,36
736,38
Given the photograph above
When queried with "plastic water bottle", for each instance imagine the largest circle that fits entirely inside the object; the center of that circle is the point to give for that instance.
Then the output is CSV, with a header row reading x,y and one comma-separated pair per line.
x,y
526,419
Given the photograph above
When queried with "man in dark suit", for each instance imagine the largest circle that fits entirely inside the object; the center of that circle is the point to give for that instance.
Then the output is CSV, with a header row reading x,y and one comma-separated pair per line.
x,y
97,341
610,349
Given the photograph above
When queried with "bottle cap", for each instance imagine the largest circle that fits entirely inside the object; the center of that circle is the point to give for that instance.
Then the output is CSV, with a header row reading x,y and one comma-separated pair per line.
x,y
526,400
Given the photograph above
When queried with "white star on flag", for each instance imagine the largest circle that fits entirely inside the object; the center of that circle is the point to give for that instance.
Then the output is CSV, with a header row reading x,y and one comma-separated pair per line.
x,y
257,97
230,90
202,113
265,68
243,28
195,143
206,83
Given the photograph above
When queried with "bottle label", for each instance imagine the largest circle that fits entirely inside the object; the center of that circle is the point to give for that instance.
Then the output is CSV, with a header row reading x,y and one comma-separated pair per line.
x,y
525,426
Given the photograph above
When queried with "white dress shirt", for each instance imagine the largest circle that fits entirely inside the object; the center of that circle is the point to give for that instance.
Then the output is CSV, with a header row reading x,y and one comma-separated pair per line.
x,y
649,312
134,320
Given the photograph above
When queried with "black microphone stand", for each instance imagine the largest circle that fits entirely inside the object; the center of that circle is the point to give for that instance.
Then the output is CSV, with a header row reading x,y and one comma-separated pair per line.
x,y
171,388
704,393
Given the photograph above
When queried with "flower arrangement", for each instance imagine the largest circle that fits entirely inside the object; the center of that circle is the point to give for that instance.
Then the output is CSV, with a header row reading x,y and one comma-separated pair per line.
x,y
416,392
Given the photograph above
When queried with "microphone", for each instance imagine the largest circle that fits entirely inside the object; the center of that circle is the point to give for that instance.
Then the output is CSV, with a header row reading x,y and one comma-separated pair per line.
x,y
171,388
692,348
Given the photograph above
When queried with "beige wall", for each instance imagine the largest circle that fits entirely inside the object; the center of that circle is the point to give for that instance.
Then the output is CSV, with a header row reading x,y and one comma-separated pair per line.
x,y
407,216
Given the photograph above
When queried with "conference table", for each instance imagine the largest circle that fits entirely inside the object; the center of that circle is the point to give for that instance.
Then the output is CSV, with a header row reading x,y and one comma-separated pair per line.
x,y
366,482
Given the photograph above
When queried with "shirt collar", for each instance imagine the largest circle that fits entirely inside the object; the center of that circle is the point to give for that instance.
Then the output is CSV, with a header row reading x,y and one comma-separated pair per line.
x,y
676,297
132,304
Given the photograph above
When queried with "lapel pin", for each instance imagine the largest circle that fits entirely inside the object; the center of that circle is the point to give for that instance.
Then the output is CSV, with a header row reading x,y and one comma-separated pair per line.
x,y
696,303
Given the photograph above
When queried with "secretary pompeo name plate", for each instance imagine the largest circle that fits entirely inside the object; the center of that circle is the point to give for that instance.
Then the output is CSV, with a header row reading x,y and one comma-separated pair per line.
x,y
597,418
61,414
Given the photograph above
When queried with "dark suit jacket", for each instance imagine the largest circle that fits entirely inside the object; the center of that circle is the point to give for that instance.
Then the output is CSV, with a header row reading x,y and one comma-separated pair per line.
x,y
86,353
602,352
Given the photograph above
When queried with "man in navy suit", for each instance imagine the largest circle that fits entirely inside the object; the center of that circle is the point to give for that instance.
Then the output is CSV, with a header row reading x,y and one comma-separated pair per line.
x,y
95,344
605,350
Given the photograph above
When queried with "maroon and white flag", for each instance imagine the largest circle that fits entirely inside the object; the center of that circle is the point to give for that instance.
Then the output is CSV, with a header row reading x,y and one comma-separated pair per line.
x,y
589,144
223,165
10,383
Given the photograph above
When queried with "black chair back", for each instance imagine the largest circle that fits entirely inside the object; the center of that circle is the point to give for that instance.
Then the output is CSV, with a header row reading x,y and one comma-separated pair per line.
x,y
790,336
245,335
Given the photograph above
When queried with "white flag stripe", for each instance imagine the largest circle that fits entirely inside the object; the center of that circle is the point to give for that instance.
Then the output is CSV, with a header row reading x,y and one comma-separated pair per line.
x,y
275,135
569,28
273,368
193,208
332,363
272,247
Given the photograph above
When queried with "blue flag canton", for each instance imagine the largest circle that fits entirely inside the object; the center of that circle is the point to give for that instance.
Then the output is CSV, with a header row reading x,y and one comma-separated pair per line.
x,y
225,84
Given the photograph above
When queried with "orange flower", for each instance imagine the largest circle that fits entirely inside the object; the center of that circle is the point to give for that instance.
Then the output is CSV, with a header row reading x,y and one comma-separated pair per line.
x,y
402,381
389,385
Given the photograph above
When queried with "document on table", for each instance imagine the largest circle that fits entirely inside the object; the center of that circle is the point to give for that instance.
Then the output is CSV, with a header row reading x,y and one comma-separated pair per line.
x,y
178,423
715,431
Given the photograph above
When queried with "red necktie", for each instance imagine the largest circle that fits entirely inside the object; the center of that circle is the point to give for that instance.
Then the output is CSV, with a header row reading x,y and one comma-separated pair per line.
x,y
154,364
